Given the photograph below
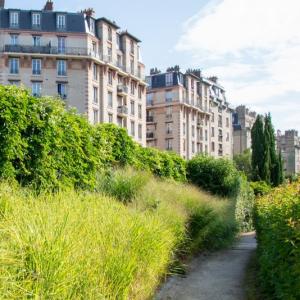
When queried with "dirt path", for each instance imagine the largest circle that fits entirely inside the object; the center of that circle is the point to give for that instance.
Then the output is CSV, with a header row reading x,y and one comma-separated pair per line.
x,y
218,276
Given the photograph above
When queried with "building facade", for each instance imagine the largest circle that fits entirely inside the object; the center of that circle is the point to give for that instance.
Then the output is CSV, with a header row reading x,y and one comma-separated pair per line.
x,y
188,114
243,121
289,145
87,61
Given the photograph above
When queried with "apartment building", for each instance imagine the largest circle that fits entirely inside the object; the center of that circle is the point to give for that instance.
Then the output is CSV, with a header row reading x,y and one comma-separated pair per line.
x,y
289,145
87,61
188,114
243,121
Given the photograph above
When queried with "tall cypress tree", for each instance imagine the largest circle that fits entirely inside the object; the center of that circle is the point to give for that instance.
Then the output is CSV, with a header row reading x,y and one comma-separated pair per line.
x,y
257,136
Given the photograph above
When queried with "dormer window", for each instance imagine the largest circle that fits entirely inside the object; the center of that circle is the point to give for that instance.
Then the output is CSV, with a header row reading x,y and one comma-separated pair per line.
x,y
92,26
36,20
61,22
14,19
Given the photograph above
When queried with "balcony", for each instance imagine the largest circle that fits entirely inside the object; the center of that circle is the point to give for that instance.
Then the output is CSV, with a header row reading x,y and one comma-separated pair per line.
x,y
48,49
122,89
123,110
150,119
150,135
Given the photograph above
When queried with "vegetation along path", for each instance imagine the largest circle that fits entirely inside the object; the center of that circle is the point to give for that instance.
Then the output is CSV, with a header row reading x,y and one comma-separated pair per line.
x,y
217,276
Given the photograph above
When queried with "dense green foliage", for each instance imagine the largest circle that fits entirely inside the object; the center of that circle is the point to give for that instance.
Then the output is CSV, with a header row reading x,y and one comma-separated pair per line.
x,y
218,176
221,177
83,245
243,163
260,188
266,163
277,221
49,147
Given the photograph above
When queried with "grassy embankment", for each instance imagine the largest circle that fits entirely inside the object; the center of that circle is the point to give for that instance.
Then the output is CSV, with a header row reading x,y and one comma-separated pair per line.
x,y
116,243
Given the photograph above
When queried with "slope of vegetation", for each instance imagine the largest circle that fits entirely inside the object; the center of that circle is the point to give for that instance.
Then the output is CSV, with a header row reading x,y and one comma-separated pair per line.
x,y
277,221
83,245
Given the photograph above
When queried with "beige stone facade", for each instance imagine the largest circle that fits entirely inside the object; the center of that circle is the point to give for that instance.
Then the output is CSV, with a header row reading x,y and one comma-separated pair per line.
x,y
88,62
289,145
243,121
188,114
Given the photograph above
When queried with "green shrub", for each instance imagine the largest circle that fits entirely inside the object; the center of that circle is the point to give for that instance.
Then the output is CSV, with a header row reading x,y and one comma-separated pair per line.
x,y
123,184
277,222
260,188
218,176
245,201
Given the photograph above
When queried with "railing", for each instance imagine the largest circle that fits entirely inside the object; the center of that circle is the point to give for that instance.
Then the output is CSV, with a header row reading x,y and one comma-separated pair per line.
x,y
123,109
48,49
150,135
150,119
122,89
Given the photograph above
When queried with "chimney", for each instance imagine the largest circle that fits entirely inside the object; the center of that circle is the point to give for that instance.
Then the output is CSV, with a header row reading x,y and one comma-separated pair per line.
x,y
48,6
89,12
2,4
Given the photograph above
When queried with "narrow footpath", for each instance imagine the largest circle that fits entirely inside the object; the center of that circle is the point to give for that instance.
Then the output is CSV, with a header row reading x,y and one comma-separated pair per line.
x,y
219,276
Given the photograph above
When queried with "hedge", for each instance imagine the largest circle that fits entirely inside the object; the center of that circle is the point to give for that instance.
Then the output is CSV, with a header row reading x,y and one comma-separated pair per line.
x,y
277,222
45,145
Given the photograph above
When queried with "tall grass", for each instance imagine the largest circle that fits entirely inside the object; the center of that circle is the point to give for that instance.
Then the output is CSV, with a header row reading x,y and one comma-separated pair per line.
x,y
76,245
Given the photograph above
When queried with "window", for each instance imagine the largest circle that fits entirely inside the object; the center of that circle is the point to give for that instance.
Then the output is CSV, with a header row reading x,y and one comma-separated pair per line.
x,y
193,147
169,128
14,66
132,66
220,121
14,39
62,90
131,47
96,116
183,146
132,88
206,135
94,48
119,61
140,131
61,68
92,26
110,99
109,34
61,42
132,108
36,89
227,137
110,78
227,122
140,92
193,131
169,96
213,147
212,132
95,71
36,66
140,111
110,118
61,21
95,94
169,144
36,41
14,19
36,20
183,128
149,98
118,41
109,54
169,79
213,117
132,128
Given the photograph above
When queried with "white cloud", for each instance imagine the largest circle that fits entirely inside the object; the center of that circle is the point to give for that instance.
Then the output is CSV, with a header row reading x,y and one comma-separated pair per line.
x,y
253,46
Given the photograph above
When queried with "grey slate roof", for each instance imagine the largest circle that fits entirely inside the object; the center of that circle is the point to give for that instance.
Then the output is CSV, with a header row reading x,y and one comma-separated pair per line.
x,y
74,21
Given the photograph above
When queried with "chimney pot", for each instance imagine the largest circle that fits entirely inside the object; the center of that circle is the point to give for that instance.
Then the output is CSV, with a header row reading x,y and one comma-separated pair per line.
x,y
48,6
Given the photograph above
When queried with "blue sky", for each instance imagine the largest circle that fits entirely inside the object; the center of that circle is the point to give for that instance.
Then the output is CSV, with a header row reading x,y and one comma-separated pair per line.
x,y
253,46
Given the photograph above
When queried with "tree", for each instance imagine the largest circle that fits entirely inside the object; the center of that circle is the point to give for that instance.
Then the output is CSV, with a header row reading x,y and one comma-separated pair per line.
x,y
258,149
243,162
